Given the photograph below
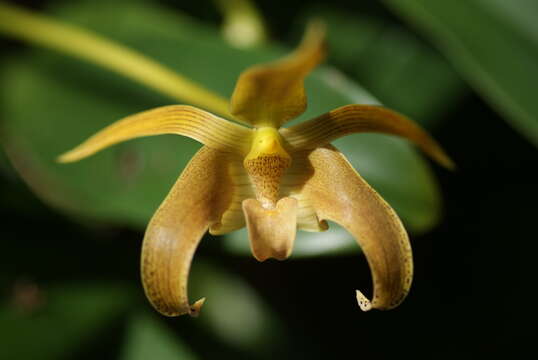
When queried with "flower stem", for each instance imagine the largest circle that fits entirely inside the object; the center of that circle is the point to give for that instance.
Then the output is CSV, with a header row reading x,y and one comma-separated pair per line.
x,y
45,31
243,26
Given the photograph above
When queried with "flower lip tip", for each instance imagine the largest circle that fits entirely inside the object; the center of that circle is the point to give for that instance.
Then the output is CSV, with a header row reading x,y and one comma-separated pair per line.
x,y
260,258
195,308
279,256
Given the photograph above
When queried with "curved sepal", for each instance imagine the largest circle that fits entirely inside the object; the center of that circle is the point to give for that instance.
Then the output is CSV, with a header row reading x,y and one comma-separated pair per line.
x,y
215,132
352,119
196,201
339,194
271,94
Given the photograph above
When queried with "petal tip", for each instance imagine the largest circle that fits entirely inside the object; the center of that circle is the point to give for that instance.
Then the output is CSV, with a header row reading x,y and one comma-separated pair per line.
x,y
64,158
196,307
316,31
277,255
364,303
449,164
442,158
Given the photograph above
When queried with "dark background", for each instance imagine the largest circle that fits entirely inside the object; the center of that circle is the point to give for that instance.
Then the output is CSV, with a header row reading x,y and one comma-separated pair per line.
x,y
475,277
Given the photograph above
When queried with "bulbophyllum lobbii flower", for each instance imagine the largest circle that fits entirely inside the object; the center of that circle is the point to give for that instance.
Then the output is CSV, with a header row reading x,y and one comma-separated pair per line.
x,y
271,179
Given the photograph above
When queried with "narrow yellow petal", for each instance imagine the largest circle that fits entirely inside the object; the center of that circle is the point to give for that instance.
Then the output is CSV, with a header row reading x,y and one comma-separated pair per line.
x,y
216,133
86,45
271,94
339,194
196,202
271,231
352,119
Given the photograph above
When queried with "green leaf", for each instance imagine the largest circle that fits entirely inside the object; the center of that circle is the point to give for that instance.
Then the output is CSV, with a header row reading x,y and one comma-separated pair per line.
x,y
148,338
234,312
4,163
392,63
493,44
64,318
51,103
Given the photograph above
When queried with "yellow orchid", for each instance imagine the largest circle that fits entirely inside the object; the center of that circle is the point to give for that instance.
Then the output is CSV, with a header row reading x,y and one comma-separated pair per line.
x,y
271,179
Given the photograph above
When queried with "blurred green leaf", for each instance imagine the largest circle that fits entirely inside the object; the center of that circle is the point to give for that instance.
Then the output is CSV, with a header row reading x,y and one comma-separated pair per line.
x,y
6,173
51,103
4,162
148,338
64,318
392,63
234,312
493,43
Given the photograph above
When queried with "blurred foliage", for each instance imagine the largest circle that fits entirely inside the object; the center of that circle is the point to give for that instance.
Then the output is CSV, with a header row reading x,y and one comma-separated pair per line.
x,y
49,103
148,338
62,317
494,45
235,313
380,54
243,25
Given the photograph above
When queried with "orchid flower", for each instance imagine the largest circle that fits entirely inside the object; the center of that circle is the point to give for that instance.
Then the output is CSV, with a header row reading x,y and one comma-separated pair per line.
x,y
271,179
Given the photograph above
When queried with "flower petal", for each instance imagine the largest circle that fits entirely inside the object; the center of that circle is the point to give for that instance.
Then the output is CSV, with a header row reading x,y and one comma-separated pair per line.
x,y
271,231
339,194
359,119
271,94
196,202
215,132
241,188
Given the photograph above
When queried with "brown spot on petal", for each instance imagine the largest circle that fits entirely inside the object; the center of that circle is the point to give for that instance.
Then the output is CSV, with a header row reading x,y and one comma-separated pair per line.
x,y
265,173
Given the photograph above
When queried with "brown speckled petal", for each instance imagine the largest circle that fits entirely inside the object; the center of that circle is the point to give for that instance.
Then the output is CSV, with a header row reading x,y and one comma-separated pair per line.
x,y
339,194
196,201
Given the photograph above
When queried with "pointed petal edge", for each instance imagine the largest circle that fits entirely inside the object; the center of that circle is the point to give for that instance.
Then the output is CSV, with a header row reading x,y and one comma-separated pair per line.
x,y
339,194
215,132
351,119
195,202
